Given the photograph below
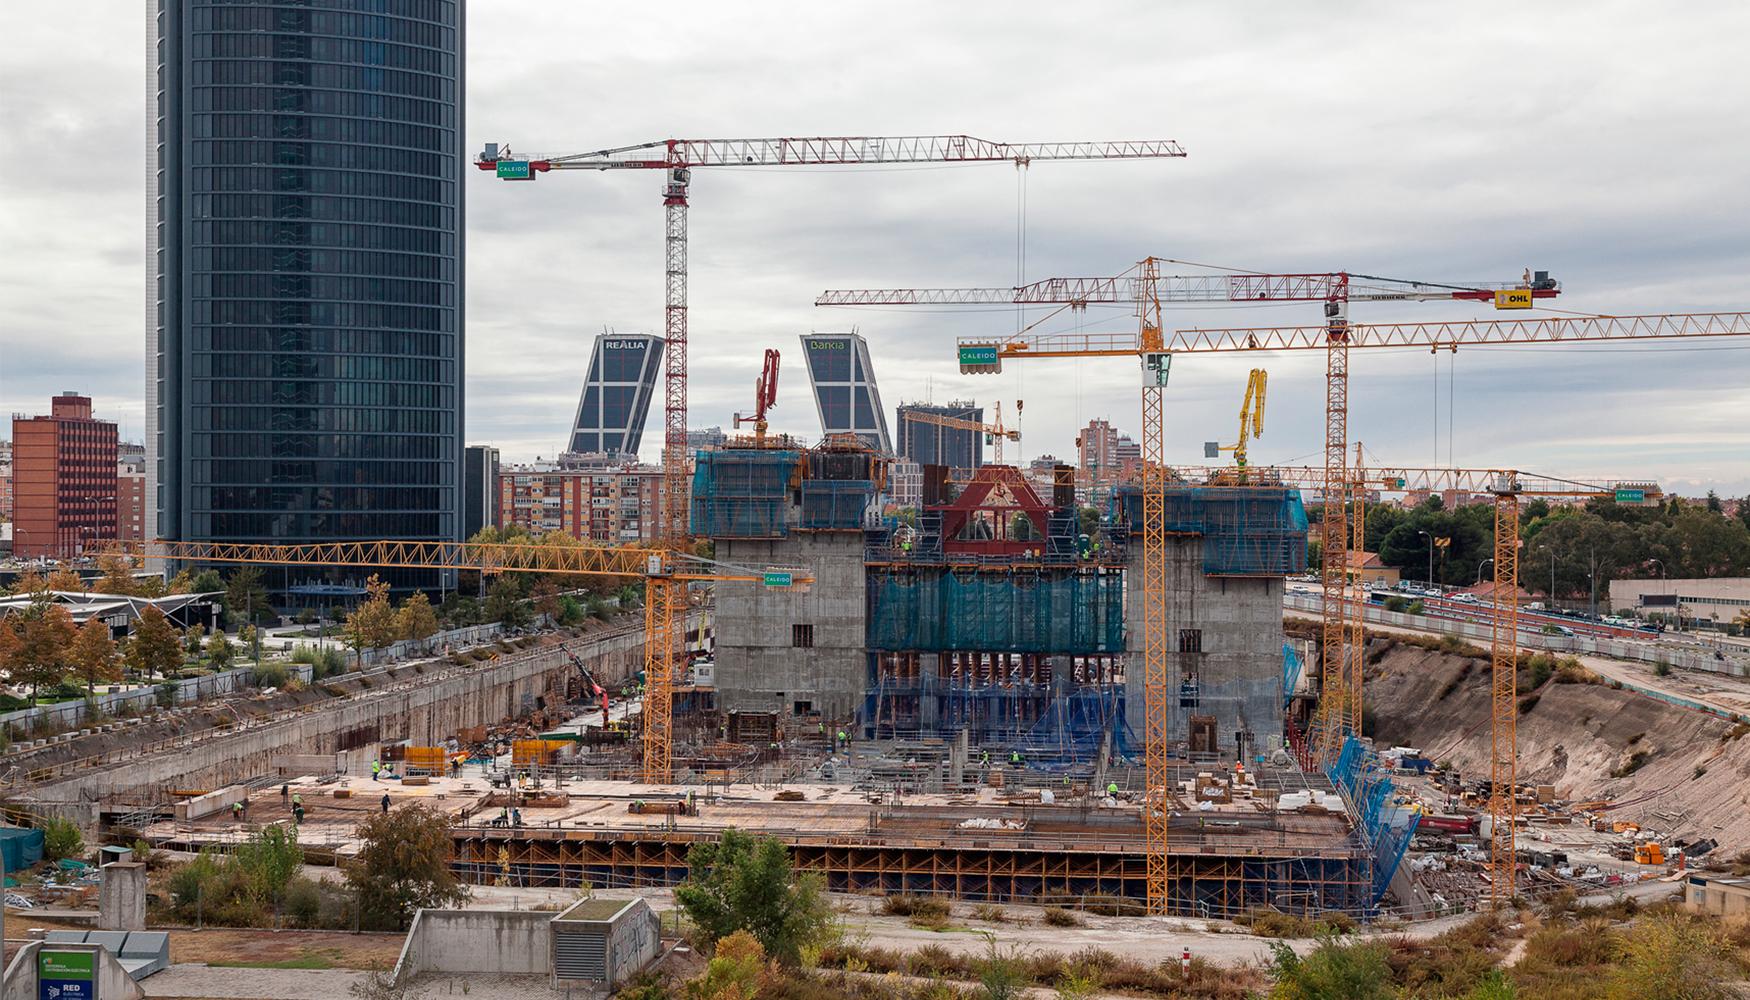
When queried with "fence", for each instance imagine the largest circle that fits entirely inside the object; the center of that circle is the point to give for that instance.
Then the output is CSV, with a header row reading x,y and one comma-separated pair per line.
x,y
71,714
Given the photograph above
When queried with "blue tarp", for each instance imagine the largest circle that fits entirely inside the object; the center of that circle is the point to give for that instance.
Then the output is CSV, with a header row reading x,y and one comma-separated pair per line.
x,y
19,848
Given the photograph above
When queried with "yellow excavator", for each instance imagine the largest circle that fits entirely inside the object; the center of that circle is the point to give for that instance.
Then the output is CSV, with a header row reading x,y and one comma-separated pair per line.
x,y
1251,425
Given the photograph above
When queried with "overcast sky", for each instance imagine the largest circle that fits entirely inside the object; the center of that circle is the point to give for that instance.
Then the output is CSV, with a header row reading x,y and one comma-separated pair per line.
x,y
1603,142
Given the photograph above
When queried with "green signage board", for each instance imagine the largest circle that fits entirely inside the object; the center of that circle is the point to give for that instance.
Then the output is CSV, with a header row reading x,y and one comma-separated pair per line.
x,y
777,579
66,975
983,354
513,170
1630,496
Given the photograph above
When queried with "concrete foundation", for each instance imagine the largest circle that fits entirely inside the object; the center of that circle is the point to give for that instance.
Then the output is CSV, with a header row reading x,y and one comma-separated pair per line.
x,y
1224,632
496,942
121,897
797,654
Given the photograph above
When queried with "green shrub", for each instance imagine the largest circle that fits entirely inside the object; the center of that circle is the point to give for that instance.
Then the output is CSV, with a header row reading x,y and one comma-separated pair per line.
x,y
1662,668
62,839
271,675
1057,916
1630,766
165,694
908,905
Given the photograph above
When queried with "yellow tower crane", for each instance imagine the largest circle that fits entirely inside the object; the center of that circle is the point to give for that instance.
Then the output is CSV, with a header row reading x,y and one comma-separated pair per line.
x,y
665,574
994,433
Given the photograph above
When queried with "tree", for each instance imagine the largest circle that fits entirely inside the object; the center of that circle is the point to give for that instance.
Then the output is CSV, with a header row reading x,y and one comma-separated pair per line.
x,y
92,655
37,655
118,575
66,581
245,594
371,625
219,650
746,883
403,865
182,583
416,621
155,648
504,603
191,638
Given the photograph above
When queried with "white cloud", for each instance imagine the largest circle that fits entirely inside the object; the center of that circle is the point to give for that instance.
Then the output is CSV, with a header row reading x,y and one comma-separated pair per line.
x,y
1596,140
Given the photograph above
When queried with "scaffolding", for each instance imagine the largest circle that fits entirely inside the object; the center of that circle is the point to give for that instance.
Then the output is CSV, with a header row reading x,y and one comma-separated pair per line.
x,y
1383,827
835,505
1246,531
1013,609
742,493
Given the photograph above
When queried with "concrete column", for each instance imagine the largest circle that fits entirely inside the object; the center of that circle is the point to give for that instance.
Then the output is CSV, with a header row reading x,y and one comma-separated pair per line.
x,y
121,897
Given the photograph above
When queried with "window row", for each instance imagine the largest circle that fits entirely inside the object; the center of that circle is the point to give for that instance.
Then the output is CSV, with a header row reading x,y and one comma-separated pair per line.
x,y
255,472
322,498
324,526
324,209
333,156
295,259
322,76
438,11
344,182
322,128
297,232
255,338
392,29
317,446
253,393
319,419
322,49
618,406
321,286
321,366
297,312
324,102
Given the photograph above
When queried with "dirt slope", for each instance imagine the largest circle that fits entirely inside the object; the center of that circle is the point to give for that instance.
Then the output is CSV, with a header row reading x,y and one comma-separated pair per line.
x,y
1574,736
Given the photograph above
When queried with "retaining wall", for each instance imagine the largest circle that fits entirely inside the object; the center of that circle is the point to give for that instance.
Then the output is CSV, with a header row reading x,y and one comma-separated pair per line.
x,y
426,709
483,942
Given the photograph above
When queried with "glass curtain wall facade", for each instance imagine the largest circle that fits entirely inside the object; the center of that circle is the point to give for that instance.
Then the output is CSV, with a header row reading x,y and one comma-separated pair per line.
x,y
845,392
622,377
305,361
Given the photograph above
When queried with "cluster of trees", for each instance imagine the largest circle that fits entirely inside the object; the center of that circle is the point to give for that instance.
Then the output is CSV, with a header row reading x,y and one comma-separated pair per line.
x,y
514,599
41,647
1688,541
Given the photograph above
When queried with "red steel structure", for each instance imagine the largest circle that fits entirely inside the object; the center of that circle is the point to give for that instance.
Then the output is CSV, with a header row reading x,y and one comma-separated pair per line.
x,y
678,157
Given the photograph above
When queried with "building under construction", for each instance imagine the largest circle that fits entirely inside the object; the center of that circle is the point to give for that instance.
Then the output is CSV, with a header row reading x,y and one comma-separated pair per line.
x,y
996,610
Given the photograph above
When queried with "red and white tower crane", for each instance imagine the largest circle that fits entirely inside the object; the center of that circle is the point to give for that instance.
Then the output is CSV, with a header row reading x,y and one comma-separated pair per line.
x,y
678,157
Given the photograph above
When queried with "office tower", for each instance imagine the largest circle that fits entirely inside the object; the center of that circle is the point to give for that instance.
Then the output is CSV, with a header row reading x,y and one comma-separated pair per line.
x,y
623,372
933,444
305,360
844,388
479,488
64,478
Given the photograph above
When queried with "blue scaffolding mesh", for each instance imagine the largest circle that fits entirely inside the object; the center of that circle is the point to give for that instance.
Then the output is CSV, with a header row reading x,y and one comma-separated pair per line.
x,y
829,504
1290,672
1384,827
741,494
1019,611
1246,532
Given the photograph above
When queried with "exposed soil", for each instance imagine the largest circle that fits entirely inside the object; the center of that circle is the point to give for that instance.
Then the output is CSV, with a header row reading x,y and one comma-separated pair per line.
x,y
1682,771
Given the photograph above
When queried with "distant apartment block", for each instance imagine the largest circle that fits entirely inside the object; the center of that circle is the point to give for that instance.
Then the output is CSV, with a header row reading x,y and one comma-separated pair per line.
x,y
607,504
64,480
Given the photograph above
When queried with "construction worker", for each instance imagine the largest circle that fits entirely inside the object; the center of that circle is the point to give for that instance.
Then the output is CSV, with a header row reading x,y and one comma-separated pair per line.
x,y
237,812
1015,758
297,815
385,802
516,817
1112,789
376,770
285,793
297,800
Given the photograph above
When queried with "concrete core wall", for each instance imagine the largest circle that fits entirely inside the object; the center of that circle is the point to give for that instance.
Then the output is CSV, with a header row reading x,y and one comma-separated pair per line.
x,y
759,666
1236,621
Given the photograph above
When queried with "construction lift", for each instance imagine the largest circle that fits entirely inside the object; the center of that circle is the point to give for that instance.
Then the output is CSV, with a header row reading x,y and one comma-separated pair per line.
x,y
665,574
994,433
765,396
1145,288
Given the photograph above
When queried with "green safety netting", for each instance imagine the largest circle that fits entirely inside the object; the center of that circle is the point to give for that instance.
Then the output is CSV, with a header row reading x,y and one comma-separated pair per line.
x,y
1014,611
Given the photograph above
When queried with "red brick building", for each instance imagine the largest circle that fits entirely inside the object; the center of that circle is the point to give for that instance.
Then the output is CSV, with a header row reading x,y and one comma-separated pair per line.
x,y
616,506
64,480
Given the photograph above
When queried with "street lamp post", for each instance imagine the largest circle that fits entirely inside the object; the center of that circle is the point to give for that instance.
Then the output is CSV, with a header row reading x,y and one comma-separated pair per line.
x,y
1430,556
1480,566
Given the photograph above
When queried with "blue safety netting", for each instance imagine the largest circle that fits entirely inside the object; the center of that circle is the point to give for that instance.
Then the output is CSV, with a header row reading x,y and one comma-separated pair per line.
x,y
1251,531
1023,611
1290,672
742,493
1383,826
835,504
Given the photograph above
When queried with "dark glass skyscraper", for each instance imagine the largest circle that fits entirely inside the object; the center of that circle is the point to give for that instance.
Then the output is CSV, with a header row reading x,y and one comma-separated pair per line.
x,y
305,366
